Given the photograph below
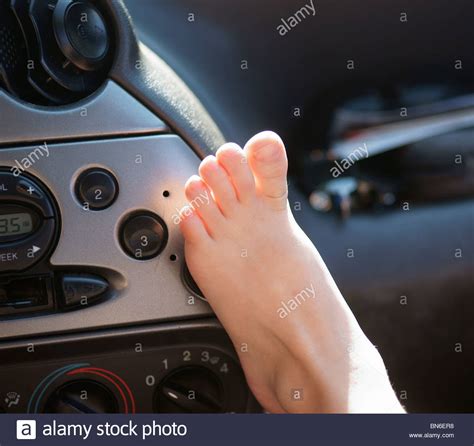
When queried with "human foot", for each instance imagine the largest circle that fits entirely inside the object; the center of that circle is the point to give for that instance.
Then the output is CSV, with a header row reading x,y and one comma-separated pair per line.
x,y
301,348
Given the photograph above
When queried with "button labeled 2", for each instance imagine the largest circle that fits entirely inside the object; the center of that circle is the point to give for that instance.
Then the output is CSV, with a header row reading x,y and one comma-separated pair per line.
x,y
96,189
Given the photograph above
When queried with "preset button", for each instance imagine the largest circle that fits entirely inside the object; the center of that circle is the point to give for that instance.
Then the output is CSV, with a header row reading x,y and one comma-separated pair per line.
x,y
144,235
96,189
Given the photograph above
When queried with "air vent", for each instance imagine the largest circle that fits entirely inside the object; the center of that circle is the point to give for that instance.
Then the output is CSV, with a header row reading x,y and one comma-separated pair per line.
x,y
53,52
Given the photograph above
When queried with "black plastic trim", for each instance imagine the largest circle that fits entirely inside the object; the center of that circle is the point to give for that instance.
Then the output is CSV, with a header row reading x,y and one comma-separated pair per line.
x,y
150,80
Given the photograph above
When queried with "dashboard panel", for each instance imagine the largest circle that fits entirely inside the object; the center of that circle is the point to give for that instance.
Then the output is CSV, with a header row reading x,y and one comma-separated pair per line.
x,y
97,139
157,369
141,288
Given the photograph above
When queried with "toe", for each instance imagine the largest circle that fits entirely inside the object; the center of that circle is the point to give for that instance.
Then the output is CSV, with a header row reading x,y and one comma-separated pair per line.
x,y
192,227
232,158
267,159
201,201
219,183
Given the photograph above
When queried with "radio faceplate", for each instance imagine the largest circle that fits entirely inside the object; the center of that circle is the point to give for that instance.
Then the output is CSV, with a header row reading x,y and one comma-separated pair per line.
x,y
28,220
150,172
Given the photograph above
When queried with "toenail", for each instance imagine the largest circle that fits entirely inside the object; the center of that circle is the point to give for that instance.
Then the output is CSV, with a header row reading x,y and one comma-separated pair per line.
x,y
197,187
232,148
191,183
268,152
210,163
229,151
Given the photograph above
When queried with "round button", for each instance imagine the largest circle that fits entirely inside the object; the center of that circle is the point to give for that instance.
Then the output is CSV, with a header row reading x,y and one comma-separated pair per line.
x,y
86,30
96,189
81,33
144,236
191,284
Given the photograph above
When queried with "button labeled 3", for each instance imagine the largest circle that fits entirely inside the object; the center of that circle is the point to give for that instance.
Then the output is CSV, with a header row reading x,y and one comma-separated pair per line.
x,y
143,235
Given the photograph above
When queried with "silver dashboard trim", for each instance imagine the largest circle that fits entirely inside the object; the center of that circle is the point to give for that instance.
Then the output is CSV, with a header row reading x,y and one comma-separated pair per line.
x,y
109,112
145,167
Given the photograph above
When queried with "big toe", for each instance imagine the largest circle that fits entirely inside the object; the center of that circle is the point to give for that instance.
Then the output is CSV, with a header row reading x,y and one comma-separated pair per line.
x,y
267,159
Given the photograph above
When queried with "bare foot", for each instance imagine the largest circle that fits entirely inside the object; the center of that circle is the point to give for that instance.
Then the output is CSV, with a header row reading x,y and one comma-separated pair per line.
x,y
301,347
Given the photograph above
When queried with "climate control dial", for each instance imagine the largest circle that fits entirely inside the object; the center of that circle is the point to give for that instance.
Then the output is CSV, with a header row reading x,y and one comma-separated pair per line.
x,y
82,396
193,389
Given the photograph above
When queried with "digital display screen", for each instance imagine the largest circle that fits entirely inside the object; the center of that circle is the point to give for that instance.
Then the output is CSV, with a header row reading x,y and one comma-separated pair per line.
x,y
15,224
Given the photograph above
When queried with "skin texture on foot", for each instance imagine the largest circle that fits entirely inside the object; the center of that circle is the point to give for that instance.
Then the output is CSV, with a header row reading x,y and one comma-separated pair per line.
x,y
300,346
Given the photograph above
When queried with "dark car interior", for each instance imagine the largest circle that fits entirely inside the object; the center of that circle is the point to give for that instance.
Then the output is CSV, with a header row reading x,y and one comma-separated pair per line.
x,y
102,121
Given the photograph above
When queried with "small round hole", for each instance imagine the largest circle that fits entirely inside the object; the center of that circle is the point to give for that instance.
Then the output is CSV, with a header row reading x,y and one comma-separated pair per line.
x,y
166,193
173,257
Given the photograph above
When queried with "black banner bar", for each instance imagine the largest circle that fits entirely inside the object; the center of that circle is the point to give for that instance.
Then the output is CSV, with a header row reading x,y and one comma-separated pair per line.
x,y
209,430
